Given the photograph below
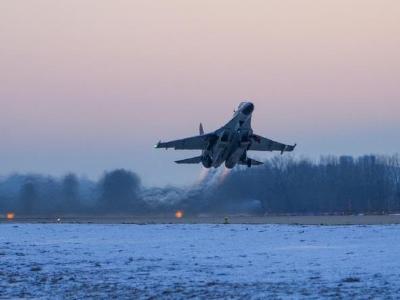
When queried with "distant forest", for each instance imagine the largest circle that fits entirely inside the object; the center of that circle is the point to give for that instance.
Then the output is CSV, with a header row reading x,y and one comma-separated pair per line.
x,y
284,185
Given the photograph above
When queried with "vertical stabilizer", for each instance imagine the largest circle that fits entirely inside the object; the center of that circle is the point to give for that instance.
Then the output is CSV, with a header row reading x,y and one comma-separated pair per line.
x,y
201,130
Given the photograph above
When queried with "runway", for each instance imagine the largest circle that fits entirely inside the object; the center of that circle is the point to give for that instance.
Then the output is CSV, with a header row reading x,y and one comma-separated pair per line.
x,y
204,261
170,218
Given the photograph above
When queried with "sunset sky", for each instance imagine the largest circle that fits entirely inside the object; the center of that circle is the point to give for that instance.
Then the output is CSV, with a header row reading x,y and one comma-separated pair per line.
x,y
88,86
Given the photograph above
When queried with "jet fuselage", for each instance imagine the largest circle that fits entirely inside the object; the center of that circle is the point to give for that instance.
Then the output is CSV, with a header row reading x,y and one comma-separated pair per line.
x,y
232,141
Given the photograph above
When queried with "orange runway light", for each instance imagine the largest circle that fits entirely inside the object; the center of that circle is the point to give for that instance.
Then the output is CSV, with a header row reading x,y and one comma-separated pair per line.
x,y
10,216
179,214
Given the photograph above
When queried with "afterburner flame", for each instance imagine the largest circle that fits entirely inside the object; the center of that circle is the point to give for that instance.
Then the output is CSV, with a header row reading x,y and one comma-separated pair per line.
x,y
179,214
10,216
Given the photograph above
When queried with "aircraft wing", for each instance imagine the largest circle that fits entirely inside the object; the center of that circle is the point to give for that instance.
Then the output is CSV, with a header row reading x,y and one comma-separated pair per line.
x,y
259,143
198,142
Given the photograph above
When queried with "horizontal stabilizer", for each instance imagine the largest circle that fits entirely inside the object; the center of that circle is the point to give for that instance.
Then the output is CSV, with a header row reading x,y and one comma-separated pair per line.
x,y
193,160
250,162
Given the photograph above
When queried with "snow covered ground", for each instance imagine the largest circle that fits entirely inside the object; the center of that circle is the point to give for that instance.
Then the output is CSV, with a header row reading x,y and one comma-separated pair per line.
x,y
201,261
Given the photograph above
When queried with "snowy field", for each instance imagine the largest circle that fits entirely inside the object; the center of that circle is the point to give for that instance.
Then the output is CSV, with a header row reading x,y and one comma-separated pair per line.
x,y
200,261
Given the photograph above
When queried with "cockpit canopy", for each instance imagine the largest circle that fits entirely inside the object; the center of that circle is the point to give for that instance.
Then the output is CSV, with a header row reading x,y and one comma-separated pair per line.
x,y
247,108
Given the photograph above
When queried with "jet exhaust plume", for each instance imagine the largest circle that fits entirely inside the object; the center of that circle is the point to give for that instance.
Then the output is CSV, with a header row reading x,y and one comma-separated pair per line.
x,y
223,175
202,176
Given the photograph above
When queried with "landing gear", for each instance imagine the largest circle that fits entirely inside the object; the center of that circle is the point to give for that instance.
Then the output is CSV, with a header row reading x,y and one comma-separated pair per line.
x,y
245,161
248,163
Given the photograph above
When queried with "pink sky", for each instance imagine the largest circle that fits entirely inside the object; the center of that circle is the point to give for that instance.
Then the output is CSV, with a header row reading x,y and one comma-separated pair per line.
x,y
87,86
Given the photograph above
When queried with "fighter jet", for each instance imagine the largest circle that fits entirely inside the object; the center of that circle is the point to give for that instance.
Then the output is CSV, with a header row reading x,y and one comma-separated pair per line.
x,y
228,144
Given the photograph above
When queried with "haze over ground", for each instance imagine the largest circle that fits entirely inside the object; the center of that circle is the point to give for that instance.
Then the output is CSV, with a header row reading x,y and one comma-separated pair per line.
x,y
92,86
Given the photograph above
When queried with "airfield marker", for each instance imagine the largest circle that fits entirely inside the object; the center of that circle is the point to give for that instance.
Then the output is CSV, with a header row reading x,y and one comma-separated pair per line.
x,y
179,214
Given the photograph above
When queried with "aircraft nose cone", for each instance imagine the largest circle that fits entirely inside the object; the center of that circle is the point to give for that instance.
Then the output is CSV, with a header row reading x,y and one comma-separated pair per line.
x,y
248,109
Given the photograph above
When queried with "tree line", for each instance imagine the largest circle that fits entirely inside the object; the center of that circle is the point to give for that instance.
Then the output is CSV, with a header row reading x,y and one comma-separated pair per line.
x,y
283,185
116,191
335,185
